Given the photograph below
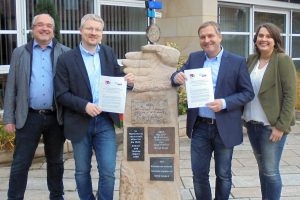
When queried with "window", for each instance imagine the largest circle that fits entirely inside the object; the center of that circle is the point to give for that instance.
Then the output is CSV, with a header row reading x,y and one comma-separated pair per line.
x,y
239,22
294,1
278,18
70,13
125,25
8,30
8,40
234,22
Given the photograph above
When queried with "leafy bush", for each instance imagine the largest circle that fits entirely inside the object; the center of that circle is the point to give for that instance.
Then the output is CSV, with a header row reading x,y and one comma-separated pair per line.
x,y
298,91
182,101
6,140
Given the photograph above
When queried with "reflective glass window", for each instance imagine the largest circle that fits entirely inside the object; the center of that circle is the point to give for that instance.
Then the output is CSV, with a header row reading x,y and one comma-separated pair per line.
x,y
125,43
7,44
69,12
296,22
296,47
275,18
8,15
238,44
234,19
121,18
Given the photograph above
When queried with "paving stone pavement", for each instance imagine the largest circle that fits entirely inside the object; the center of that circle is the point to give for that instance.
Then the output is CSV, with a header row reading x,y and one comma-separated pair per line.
x,y
244,170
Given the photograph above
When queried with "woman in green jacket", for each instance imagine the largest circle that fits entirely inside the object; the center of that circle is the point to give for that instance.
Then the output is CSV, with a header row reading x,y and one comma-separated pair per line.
x,y
270,114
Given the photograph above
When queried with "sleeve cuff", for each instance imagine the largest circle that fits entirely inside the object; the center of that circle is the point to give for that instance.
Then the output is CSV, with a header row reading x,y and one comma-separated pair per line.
x,y
174,79
223,104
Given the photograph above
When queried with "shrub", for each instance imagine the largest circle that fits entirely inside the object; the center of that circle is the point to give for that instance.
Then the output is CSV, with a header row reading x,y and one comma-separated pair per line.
x,y
298,91
182,101
6,140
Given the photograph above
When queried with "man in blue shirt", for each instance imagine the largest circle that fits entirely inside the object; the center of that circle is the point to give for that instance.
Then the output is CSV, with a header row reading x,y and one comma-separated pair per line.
x,y
31,111
218,126
85,124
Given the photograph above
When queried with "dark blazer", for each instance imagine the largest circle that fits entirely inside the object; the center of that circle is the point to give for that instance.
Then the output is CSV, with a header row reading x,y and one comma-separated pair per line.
x,y
233,85
73,89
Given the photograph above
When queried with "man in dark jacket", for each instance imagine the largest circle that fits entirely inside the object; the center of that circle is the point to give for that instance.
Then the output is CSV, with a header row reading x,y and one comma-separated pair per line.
x,y
216,127
77,89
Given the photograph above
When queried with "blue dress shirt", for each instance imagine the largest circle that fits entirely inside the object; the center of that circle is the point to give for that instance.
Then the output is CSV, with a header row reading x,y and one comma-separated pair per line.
x,y
214,65
93,67
41,80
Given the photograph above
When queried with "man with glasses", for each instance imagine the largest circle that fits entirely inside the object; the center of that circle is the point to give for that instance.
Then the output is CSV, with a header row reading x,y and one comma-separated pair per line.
x,y
31,111
85,124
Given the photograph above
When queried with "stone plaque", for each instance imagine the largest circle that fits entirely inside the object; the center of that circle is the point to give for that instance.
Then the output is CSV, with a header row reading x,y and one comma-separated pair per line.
x,y
149,111
162,169
135,144
161,140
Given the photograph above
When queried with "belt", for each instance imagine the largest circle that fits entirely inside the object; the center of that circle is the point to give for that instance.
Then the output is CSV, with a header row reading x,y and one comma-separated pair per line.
x,y
255,123
42,111
206,120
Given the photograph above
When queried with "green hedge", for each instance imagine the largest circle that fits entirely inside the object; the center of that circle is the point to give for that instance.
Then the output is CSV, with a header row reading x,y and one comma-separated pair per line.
x,y
6,140
182,101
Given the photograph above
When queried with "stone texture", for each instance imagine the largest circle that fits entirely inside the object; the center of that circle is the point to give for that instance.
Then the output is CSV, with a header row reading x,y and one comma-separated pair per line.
x,y
152,67
152,105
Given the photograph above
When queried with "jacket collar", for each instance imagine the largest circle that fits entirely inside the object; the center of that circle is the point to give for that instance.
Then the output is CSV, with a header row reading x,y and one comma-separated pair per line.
x,y
270,73
29,45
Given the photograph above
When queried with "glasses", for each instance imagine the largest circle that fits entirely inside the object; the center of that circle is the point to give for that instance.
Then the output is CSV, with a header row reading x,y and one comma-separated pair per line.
x,y
40,25
91,29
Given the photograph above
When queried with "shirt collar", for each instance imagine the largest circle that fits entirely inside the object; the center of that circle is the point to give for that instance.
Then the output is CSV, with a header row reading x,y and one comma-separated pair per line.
x,y
218,57
86,52
36,44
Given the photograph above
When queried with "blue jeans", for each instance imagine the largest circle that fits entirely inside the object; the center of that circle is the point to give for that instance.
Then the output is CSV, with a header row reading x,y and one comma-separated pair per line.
x,y
101,137
205,140
268,155
26,141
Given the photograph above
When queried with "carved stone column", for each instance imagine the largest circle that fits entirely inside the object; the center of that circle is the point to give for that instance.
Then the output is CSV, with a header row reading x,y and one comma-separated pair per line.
x,y
150,166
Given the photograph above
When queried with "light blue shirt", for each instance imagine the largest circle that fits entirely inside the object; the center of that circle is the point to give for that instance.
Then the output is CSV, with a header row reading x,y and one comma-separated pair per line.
x,y
41,80
93,67
214,65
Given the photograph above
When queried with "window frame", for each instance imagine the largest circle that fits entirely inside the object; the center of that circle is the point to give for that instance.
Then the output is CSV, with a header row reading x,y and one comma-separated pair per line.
x,y
125,3
262,6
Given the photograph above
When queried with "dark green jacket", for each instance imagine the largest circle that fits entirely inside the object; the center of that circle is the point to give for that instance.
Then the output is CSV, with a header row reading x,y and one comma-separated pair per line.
x,y
277,93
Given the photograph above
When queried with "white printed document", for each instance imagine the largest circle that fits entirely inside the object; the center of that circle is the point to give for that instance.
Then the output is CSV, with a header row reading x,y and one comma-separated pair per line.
x,y
199,87
112,96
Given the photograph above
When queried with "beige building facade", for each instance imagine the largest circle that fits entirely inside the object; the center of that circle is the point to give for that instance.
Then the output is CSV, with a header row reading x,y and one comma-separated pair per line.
x,y
127,21
181,20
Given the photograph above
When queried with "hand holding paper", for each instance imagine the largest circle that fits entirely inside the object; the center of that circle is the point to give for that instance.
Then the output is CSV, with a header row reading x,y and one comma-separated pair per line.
x,y
199,87
112,94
